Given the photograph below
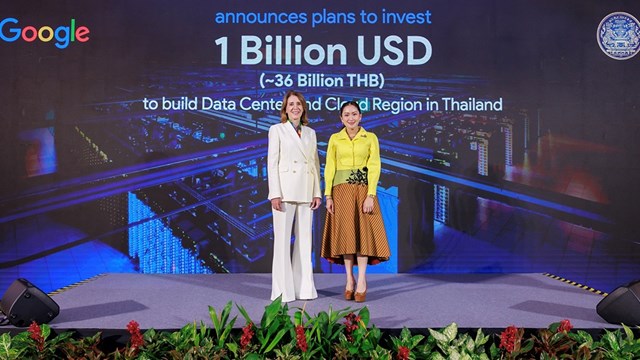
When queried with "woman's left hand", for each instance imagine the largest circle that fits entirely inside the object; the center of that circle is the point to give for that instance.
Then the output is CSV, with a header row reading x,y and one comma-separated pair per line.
x,y
316,203
367,207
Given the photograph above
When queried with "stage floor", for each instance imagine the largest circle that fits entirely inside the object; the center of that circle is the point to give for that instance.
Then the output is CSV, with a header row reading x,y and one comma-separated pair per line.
x,y
488,301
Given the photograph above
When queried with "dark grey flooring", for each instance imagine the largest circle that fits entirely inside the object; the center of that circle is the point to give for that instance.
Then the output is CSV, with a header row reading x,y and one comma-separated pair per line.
x,y
488,301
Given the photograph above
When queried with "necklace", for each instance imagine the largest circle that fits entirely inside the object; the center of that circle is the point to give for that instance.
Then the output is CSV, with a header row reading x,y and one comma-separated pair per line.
x,y
354,135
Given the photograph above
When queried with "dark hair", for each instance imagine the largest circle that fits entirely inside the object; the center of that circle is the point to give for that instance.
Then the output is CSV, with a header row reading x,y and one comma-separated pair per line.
x,y
283,109
347,103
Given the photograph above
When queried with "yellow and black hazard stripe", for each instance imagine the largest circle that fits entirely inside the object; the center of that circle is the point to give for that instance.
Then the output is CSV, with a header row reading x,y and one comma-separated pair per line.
x,y
584,287
63,289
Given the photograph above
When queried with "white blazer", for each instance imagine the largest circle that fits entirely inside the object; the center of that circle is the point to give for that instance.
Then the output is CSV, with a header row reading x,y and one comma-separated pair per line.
x,y
293,167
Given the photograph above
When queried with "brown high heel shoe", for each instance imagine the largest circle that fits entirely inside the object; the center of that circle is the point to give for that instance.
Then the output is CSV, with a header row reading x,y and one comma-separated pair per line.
x,y
348,295
360,297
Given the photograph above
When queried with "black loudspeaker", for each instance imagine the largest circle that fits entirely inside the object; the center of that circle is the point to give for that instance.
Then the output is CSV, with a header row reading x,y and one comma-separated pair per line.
x,y
622,305
24,302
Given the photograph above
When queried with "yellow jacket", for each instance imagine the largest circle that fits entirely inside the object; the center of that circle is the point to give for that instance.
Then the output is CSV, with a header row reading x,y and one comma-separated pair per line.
x,y
346,154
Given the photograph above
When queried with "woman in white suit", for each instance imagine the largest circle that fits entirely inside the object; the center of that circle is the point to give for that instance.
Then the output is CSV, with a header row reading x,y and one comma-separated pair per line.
x,y
294,190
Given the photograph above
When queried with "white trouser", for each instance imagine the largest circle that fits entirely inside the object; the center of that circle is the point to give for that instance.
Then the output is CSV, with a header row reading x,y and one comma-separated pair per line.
x,y
292,278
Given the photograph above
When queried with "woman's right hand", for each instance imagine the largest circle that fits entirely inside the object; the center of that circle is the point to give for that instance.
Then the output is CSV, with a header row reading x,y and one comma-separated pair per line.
x,y
329,206
276,204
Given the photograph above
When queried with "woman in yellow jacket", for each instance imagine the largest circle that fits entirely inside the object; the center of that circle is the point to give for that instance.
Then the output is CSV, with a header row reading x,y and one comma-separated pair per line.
x,y
354,232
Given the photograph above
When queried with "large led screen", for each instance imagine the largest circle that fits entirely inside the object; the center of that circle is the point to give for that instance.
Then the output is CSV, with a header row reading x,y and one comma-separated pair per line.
x,y
508,130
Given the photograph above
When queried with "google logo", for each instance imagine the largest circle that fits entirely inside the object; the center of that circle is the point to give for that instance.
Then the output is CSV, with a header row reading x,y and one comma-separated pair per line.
x,y
64,35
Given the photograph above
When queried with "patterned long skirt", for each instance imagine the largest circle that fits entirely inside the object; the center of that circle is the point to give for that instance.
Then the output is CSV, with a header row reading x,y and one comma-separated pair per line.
x,y
350,231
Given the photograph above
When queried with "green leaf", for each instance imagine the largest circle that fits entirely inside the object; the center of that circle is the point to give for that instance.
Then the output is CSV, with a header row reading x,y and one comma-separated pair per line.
x,y
220,322
454,355
451,331
480,339
528,345
628,331
415,340
225,334
582,337
610,340
405,334
214,319
252,356
271,312
440,338
469,345
270,331
5,346
233,347
244,314
276,340
557,337
364,315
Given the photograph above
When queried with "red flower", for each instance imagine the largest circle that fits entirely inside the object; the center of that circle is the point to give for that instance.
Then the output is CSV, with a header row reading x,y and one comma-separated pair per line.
x,y
403,353
565,326
247,335
36,334
350,325
508,338
301,339
137,340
